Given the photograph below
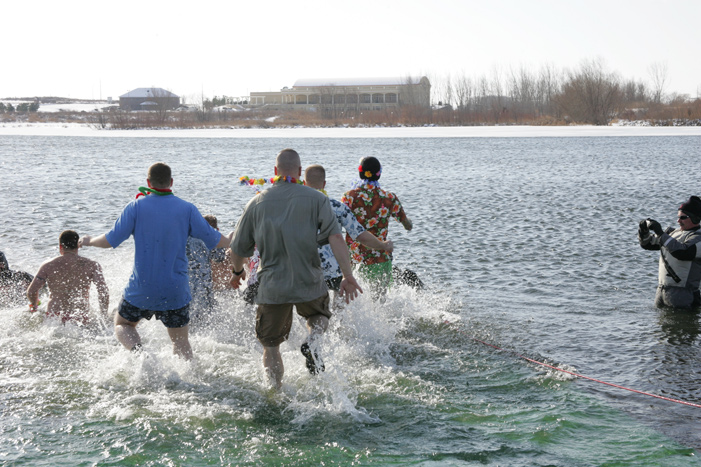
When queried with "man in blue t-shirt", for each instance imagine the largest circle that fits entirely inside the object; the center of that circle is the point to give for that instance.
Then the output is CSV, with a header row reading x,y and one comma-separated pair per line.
x,y
161,224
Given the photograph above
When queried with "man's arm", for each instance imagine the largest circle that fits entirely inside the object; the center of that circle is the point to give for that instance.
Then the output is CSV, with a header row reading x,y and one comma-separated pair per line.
x,y
398,213
683,251
225,241
34,287
100,242
349,286
237,263
645,238
371,241
103,292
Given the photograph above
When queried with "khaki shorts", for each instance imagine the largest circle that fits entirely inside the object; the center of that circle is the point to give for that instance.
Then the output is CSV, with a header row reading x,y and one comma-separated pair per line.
x,y
274,322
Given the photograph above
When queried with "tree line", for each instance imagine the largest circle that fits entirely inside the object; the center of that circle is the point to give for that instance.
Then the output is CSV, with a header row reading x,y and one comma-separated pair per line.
x,y
590,94
23,107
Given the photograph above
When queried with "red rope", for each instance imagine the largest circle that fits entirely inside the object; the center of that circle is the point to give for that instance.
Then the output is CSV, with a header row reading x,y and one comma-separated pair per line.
x,y
581,376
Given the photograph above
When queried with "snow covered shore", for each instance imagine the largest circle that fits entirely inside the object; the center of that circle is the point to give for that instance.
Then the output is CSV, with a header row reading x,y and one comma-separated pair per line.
x,y
63,129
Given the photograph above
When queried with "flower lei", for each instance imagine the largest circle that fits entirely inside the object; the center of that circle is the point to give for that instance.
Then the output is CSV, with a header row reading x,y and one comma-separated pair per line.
x,y
245,180
288,179
153,191
362,182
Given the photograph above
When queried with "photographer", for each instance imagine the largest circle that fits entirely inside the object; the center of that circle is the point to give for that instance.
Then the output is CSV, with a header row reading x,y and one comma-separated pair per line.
x,y
680,258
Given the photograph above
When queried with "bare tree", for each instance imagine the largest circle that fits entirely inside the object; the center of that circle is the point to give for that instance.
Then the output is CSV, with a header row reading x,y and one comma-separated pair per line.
x,y
448,91
164,102
464,93
410,93
548,86
440,87
522,91
497,98
591,94
658,74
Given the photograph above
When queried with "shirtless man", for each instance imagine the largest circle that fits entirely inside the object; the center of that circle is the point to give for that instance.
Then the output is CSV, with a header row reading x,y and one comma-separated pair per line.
x,y
68,277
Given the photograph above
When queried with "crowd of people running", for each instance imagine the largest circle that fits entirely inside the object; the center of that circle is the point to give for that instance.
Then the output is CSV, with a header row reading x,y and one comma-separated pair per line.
x,y
288,253
287,248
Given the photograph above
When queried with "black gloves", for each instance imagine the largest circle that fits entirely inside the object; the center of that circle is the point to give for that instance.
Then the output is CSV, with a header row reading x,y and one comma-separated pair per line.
x,y
643,229
654,226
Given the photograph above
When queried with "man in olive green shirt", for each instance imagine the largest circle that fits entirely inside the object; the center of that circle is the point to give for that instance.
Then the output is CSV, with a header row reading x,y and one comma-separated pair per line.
x,y
287,223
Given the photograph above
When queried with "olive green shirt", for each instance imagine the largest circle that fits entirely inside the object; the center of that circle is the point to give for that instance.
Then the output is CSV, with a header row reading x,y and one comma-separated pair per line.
x,y
287,223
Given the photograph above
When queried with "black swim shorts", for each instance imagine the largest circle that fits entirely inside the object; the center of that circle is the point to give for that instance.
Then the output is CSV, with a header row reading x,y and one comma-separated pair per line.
x,y
170,318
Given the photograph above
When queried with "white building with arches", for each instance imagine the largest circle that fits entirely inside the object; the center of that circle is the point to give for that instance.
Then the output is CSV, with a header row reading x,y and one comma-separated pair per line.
x,y
348,94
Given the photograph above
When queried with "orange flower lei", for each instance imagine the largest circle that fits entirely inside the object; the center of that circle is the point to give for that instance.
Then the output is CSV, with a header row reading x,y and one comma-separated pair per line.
x,y
245,180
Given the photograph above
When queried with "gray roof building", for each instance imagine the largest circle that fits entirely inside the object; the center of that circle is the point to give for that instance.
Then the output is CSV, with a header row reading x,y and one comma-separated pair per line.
x,y
149,99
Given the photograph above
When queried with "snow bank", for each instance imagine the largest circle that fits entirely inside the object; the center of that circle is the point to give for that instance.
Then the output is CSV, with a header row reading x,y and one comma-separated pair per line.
x,y
63,129
65,107
52,108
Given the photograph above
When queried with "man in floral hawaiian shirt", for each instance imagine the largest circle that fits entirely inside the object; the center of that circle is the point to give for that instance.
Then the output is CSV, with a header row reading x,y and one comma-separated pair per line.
x,y
373,208
315,177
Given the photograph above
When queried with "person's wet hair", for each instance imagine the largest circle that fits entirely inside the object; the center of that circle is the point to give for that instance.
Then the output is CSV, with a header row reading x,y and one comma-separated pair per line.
x,y
159,175
69,239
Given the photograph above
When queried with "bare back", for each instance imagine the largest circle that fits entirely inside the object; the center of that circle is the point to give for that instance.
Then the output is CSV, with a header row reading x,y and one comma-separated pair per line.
x,y
68,278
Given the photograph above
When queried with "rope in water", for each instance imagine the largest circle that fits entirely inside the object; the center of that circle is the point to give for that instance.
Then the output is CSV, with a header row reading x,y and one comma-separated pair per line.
x,y
691,404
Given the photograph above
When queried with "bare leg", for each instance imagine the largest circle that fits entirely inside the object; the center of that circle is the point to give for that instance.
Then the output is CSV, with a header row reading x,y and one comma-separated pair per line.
x,y
181,342
274,368
126,332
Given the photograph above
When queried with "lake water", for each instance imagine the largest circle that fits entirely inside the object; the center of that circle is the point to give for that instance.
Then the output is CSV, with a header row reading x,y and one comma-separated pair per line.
x,y
525,243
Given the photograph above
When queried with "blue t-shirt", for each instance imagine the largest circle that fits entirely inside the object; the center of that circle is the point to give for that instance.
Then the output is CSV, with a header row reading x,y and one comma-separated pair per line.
x,y
160,226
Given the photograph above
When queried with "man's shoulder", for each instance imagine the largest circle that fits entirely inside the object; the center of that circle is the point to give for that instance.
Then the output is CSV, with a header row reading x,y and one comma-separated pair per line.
x,y
48,264
691,236
287,191
339,208
382,192
52,266
304,190
369,190
155,200
87,261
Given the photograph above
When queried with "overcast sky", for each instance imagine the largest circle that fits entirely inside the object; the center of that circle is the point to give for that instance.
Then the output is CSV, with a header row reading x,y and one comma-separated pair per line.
x,y
98,49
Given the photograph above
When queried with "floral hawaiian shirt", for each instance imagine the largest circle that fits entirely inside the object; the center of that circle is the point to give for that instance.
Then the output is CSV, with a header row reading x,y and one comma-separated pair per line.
x,y
352,227
373,207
